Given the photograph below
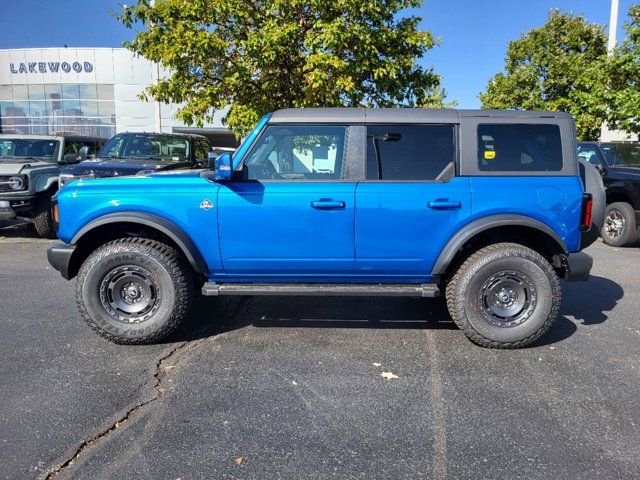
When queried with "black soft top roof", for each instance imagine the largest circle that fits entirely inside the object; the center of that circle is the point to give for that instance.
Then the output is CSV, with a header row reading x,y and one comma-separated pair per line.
x,y
399,115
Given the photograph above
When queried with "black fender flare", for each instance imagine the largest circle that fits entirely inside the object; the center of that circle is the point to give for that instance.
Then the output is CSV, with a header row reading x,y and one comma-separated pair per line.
x,y
175,233
485,223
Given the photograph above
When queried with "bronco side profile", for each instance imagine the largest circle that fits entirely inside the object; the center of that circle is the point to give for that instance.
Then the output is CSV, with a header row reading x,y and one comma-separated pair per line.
x,y
487,207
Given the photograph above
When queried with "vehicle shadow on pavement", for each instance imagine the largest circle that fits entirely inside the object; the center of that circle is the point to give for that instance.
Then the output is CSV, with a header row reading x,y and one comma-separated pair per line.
x,y
17,229
213,316
587,302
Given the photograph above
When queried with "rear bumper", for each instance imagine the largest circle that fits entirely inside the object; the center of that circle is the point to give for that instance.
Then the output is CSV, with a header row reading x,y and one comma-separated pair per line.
x,y
576,266
59,256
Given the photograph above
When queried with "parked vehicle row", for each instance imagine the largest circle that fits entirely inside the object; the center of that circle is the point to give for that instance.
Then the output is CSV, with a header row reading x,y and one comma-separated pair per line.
x,y
34,167
487,208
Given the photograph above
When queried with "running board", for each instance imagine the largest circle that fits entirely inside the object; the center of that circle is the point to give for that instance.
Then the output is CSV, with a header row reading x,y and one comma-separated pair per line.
x,y
211,289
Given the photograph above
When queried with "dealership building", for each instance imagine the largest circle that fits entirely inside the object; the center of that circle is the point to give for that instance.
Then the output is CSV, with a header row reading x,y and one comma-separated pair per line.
x,y
92,91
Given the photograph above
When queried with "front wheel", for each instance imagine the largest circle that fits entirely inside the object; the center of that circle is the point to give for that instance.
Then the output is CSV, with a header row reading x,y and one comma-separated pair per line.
x,y
42,220
134,290
504,296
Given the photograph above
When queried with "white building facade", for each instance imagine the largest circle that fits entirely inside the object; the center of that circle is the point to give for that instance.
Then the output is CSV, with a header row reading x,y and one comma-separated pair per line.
x,y
92,91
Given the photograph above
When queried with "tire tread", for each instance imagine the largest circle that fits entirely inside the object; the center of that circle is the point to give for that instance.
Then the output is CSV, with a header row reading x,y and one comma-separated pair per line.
x,y
454,294
170,258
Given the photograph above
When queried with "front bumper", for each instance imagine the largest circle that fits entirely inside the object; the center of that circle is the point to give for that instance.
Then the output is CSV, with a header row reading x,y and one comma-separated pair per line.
x,y
12,206
59,255
576,266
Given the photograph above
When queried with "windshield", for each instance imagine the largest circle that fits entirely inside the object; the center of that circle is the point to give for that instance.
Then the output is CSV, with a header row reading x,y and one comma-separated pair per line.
x,y
20,148
622,154
142,146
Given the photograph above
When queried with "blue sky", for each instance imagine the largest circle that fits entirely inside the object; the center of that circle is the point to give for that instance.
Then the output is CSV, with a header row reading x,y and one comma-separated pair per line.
x,y
474,33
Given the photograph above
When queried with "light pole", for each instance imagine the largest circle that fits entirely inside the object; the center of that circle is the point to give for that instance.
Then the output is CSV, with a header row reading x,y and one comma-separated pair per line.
x,y
613,26
611,45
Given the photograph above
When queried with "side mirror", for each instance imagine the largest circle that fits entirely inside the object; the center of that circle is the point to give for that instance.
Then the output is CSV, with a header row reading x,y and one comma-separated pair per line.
x,y
222,164
84,153
71,158
599,167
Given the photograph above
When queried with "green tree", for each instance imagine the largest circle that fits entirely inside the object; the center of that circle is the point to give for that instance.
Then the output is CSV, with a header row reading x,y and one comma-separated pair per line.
x,y
256,56
623,72
558,66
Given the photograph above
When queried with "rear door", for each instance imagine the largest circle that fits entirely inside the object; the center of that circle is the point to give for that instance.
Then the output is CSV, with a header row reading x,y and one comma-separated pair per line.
x,y
293,214
411,202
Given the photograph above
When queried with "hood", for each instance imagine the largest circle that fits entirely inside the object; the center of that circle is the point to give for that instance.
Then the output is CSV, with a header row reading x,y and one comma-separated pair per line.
x,y
108,167
627,171
13,166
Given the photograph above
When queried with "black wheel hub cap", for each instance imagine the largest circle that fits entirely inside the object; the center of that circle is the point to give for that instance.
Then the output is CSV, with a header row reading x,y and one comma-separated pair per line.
x,y
130,294
507,298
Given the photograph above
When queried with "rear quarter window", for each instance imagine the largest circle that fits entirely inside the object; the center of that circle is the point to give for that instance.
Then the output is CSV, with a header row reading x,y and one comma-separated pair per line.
x,y
519,148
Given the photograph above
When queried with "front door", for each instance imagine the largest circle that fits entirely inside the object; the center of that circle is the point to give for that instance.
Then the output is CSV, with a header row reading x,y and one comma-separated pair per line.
x,y
292,217
411,202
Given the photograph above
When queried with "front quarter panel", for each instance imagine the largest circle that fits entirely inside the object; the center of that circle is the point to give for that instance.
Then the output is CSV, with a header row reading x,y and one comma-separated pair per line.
x,y
178,200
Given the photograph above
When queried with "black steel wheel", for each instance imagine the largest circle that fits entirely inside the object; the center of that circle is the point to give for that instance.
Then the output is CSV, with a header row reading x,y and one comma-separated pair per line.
x,y
504,296
135,290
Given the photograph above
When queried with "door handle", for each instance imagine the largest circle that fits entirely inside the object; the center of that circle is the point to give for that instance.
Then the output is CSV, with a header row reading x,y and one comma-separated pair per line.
x,y
327,204
444,204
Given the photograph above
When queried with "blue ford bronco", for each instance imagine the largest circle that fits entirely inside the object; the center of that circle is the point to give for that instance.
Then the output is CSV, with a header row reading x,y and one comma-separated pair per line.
x,y
487,207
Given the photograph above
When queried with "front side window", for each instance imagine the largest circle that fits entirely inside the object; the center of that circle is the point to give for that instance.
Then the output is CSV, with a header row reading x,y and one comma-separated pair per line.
x,y
622,154
141,146
519,148
298,152
201,149
408,152
74,146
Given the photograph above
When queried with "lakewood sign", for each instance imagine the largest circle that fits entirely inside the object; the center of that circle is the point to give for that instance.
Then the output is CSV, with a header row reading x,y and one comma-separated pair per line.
x,y
51,67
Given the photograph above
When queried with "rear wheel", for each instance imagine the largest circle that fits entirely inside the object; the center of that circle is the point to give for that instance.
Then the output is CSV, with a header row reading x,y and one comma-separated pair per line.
x,y
42,220
504,296
134,290
619,229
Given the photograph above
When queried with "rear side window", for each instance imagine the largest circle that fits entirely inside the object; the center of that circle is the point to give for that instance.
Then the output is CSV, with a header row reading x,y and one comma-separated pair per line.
x,y
408,152
519,148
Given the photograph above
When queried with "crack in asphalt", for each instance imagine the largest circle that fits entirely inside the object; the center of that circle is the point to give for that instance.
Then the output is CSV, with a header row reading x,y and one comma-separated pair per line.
x,y
128,414
160,369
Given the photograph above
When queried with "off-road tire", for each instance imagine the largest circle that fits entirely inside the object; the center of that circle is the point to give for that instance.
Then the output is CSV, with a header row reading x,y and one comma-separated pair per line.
x,y
42,220
166,266
463,294
629,233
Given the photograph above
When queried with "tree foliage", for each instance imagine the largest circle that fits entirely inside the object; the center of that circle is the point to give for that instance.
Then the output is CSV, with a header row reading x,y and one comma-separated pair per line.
x,y
256,56
622,94
558,66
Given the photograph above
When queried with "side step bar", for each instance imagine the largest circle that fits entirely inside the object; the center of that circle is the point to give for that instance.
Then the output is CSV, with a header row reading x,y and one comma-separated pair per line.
x,y
211,289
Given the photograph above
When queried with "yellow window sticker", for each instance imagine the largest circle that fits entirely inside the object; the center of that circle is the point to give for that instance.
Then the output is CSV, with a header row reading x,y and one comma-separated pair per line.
x,y
489,154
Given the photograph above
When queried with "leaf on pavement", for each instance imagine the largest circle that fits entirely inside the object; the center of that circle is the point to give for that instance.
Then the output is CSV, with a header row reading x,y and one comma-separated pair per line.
x,y
376,364
239,460
389,375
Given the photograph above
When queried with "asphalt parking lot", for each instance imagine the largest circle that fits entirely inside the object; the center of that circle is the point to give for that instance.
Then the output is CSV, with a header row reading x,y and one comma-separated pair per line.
x,y
268,387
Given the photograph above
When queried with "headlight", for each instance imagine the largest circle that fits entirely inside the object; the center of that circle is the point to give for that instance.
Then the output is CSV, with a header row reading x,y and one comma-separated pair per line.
x,y
65,178
17,183
68,178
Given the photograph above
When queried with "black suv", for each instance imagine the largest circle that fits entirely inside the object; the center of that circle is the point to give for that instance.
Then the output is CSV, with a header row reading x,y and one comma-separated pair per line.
x,y
619,164
131,153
